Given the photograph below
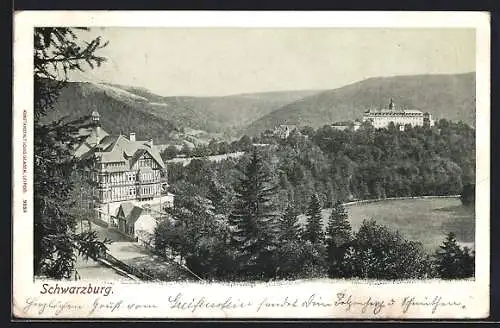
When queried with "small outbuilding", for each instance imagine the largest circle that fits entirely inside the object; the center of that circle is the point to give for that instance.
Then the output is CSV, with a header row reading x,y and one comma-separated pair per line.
x,y
134,222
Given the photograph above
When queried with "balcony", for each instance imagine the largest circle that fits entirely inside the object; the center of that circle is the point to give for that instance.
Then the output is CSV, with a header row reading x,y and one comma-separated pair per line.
x,y
103,187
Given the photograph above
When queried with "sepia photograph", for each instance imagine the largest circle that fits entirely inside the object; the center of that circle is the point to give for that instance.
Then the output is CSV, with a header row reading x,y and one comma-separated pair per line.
x,y
257,155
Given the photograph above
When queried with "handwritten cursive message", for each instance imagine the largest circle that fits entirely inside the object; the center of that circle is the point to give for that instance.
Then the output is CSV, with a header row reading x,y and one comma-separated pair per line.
x,y
183,305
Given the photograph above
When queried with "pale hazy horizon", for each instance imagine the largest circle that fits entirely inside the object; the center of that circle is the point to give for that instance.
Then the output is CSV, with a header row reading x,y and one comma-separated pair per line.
x,y
227,61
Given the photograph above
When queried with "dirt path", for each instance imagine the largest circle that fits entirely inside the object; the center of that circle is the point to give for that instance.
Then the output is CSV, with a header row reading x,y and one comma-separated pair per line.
x,y
135,255
96,271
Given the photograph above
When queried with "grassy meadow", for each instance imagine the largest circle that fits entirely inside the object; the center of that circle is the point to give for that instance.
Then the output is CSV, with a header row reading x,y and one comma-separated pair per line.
x,y
424,220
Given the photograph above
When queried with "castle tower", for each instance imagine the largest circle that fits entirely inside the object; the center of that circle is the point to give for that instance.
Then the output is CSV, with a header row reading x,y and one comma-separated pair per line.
x,y
391,105
428,121
97,125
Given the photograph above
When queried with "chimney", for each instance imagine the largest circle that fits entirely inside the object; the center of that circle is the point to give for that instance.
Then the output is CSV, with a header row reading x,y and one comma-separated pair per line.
x,y
151,142
132,136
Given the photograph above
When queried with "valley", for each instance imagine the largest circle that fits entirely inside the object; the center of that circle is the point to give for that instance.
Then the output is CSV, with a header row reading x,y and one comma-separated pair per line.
x,y
199,119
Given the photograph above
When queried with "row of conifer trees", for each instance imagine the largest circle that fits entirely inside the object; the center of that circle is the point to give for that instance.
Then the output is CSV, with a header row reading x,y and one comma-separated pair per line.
x,y
257,242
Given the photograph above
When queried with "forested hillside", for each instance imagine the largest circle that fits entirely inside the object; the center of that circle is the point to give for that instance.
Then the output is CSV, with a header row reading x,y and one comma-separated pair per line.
x,y
451,97
121,112
346,165
242,213
128,108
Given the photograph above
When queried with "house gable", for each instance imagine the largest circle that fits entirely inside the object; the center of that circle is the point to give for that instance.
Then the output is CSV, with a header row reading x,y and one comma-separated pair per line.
x,y
145,155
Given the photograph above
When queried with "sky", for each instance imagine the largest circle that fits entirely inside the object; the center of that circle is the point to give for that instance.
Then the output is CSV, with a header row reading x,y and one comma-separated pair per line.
x,y
224,61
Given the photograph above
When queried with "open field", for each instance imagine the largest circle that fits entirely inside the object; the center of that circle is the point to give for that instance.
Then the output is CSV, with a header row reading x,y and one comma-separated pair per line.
x,y
213,158
424,220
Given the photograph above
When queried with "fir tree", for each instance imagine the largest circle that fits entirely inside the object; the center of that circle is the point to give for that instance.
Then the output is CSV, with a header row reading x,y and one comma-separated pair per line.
x,y
253,220
314,229
219,196
56,241
339,229
451,261
338,236
289,225
194,232
468,260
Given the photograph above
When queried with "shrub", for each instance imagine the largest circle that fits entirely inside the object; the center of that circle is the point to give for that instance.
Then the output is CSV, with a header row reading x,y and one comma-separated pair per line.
x,y
468,196
380,253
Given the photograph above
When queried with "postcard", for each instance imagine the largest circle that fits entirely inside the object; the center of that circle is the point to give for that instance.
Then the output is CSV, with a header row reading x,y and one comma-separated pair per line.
x,y
251,165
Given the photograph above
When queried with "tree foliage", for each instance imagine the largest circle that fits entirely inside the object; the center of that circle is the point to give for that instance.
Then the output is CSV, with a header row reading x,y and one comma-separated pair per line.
x,y
314,229
374,163
338,239
219,195
328,166
195,233
452,261
253,220
290,229
468,196
380,253
57,51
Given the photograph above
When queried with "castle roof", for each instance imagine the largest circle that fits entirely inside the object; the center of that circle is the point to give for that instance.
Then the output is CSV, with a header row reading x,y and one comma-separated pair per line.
x,y
413,111
399,111
287,126
392,109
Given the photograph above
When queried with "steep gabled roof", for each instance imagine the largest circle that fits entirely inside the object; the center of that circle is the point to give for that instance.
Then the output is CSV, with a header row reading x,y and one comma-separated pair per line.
x,y
119,149
122,145
134,215
126,207
107,142
111,157
136,156
90,134
146,149
81,150
130,212
157,157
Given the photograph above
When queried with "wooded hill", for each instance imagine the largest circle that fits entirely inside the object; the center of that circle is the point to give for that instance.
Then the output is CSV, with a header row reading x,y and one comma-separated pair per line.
x,y
126,108
445,96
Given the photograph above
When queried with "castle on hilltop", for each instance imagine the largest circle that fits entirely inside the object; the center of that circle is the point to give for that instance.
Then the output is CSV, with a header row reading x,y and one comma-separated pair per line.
x,y
380,118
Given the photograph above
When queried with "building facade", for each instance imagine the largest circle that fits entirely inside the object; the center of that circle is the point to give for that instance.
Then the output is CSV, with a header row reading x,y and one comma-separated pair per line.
x,y
345,125
284,130
123,169
399,116
135,222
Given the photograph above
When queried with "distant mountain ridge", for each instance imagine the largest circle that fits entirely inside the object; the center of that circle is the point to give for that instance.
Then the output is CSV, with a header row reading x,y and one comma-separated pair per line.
x,y
129,108
444,96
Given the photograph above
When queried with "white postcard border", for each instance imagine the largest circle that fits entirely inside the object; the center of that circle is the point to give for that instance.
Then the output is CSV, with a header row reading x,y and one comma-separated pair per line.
x,y
473,294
